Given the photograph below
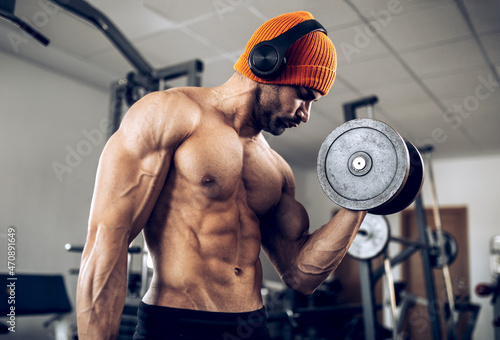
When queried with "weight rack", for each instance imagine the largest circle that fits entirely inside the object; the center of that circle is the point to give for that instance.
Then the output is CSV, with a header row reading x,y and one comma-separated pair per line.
x,y
369,277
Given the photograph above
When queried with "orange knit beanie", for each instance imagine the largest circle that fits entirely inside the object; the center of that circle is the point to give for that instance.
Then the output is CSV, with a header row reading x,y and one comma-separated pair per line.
x,y
311,61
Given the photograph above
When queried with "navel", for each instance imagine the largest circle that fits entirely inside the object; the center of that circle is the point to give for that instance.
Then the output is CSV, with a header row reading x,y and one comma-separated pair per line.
x,y
237,271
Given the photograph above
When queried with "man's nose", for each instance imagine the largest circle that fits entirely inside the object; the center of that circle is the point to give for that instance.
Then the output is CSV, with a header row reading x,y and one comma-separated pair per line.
x,y
305,112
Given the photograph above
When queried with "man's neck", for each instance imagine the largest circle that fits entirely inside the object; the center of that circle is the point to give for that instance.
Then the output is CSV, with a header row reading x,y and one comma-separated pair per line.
x,y
236,100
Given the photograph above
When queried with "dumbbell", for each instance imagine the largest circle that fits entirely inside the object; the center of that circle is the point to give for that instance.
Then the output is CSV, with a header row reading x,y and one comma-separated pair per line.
x,y
364,164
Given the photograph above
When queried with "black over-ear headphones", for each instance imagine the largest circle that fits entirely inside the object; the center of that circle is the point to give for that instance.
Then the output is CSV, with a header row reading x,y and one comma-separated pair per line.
x,y
267,58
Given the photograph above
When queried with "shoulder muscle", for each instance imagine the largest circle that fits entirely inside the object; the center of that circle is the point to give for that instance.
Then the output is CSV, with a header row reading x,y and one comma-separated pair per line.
x,y
159,120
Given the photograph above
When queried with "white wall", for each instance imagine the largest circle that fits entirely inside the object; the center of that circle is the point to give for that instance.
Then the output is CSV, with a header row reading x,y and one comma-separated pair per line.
x,y
472,182
43,116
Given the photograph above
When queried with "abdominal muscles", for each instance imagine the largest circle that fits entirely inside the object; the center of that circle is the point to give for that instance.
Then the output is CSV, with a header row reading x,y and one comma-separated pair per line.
x,y
205,245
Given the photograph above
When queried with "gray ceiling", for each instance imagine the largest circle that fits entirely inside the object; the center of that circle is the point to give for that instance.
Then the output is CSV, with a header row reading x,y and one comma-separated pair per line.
x,y
434,65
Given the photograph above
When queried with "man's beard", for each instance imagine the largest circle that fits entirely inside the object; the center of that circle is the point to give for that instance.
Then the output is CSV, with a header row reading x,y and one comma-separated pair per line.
x,y
268,107
275,125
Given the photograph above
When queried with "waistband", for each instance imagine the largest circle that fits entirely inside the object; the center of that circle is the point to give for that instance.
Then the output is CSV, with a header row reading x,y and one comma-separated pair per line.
x,y
159,322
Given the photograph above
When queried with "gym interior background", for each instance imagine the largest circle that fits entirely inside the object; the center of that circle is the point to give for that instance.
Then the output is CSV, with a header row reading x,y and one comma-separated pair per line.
x,y
433,65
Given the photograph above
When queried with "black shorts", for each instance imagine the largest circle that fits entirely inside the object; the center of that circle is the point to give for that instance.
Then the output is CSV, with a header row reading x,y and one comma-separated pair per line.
x,y
157,322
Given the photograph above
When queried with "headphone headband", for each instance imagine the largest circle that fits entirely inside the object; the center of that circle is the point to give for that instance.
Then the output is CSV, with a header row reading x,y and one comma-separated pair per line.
x,y
267,58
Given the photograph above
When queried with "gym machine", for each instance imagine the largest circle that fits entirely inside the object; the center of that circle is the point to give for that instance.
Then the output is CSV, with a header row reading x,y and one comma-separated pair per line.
x,y
39,294
128,90
136,84
7,12
437,250
493,288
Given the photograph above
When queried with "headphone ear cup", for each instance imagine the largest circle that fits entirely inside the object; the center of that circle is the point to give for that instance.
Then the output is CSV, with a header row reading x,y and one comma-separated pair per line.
x,y
264,60
267,58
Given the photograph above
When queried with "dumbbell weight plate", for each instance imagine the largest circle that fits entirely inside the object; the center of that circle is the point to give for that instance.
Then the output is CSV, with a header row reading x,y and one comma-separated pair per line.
x,y
363,164
411,188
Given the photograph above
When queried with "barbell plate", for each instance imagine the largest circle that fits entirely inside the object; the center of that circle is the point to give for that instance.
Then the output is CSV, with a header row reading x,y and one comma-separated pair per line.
x,y
411,188
362,164
371,239
439,260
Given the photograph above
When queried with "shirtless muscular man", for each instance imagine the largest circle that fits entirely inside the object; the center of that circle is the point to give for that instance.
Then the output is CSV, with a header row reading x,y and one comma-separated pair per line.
x,y
191,169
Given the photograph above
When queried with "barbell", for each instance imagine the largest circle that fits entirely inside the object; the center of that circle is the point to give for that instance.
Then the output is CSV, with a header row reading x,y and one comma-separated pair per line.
x,y
364,164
